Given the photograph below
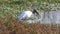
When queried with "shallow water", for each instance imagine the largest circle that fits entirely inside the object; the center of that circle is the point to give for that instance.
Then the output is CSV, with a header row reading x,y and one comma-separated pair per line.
x,y
47,17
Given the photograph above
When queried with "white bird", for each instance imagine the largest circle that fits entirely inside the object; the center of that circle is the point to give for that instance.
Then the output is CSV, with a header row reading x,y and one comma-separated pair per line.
x,y
26,14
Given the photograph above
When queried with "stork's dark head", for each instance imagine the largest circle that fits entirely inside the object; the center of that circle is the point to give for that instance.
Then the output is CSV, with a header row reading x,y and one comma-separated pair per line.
x,y
35,11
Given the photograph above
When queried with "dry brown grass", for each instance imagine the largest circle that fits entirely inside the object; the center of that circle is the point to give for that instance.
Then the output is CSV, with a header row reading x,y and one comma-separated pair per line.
x,y
13,26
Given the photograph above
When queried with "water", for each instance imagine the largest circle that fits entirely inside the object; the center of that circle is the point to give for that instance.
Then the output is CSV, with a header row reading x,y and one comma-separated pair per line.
x,y
46,17
51,17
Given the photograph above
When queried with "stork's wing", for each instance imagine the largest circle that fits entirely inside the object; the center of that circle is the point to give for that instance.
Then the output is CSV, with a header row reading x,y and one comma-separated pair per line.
x,y
23,16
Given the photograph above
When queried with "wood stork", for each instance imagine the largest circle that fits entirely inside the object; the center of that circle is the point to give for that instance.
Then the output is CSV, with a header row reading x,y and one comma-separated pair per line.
x,y
27,14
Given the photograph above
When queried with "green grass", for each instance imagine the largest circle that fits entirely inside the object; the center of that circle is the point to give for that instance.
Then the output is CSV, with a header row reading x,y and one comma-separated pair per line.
x,y
14,7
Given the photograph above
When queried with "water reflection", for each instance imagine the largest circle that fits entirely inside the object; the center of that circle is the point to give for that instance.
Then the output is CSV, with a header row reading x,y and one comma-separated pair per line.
x,y
47,17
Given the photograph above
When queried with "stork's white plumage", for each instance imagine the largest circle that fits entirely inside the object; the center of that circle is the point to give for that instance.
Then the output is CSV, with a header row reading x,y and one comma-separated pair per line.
x,y
26,14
